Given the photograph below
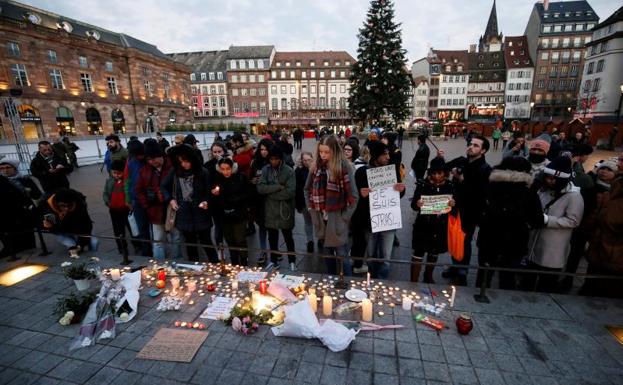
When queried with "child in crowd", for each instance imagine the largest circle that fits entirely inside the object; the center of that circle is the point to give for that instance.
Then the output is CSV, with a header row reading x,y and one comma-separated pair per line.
x,y
114,199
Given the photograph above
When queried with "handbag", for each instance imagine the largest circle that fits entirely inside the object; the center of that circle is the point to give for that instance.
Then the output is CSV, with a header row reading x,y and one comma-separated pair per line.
x,y
456,238
169,222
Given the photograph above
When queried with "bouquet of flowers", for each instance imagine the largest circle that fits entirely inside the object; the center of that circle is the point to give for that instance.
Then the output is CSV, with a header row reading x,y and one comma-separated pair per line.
x,y
81,270
244,319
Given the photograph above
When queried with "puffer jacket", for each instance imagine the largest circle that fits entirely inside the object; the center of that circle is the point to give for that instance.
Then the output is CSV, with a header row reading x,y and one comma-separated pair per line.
x,y
606,244
278,188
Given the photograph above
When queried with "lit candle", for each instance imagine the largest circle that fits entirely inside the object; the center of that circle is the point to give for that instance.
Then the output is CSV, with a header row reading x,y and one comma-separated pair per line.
x,y
368,280
234,285
452,296
263,286
327,305
312,290
406,303
210,286
366,310
162,275
175,284
313,301
255,297
192,286
115,274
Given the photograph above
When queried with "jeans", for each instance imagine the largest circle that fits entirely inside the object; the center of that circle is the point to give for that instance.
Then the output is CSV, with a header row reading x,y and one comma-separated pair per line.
x,y
467,256
158,235
204,237
143,230
360,244
70,241
235,235
218,229
309,226
119,219
380,246
273,240
332,264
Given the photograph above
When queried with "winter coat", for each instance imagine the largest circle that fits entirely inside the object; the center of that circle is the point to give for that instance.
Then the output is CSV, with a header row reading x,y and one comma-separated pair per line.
x,y
278,188
549,246
471,193
130,175
189,216
232,202
335,230
301,181
50,181
148,191
430,232
512,210
606,244
420,160
111,156
243,156
77,221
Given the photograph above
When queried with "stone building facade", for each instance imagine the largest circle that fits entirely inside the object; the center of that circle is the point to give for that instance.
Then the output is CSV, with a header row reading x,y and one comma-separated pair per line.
x,y
78,79
519,73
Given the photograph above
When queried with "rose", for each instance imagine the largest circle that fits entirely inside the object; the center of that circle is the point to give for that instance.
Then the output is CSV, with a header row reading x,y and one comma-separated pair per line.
x,y
236,324
124,317
255,325
246,320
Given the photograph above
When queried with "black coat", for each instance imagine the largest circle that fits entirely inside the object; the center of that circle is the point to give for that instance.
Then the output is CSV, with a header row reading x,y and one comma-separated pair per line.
x,y
301,174
76,221
430,232
189,216
50,181
232,202
420,160
471,193
512,210
18,218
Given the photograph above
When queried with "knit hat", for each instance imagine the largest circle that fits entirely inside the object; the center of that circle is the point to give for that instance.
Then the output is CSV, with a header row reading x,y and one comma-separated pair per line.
x,y
135,147
437,164
117,165
12,162
376,148
610,164
542,142
560,167
581,149
276,152
152,148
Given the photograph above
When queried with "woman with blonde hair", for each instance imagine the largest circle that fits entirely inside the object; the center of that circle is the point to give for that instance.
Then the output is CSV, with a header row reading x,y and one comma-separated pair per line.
x,y
332,196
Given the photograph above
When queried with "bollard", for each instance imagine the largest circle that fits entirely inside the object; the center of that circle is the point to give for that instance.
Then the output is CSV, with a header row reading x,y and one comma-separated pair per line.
x,y
224,270
44,247
482,296
341,283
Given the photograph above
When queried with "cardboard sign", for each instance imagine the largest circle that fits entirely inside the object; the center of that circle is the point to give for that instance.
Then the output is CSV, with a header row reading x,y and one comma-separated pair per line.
x,y
435,204
381,176
219,309
289,281
251,276
173,345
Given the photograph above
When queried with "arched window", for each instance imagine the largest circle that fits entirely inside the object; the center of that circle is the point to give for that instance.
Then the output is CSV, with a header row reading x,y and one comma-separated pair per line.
x,y
94,121
118,121
65,121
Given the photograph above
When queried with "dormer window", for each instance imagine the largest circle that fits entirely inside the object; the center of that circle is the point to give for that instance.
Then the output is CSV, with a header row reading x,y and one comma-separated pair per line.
x,y
278,64
33,18
94,34
65,26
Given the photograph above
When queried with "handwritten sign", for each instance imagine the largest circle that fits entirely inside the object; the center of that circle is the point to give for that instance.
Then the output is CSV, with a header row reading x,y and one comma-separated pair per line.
x,y
173,345
289,281
220,308
251,276
435,204
381,176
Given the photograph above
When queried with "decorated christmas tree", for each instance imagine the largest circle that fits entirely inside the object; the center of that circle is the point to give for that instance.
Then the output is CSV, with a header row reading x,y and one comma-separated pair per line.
x,y
380,80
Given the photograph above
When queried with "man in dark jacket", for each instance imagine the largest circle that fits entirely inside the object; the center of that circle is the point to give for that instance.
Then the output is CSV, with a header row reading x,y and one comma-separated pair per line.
x,y
419,164
50,169
162,141
471,178
115,151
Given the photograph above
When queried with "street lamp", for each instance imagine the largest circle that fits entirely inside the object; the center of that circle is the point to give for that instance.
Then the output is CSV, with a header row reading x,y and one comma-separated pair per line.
x,y
531,107
615,128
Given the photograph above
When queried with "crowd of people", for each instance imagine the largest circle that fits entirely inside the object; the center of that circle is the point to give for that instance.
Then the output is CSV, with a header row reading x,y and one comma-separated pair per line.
x,y
536,210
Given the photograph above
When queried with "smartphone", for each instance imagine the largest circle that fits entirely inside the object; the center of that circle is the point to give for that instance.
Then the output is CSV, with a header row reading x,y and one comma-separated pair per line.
x,y
50,218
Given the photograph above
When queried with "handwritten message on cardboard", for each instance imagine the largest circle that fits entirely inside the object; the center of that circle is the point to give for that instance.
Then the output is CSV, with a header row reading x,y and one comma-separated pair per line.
x,y
173,345
435,204
384,200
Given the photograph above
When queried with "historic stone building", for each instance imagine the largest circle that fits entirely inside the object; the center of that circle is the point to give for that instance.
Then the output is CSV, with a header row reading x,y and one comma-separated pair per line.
x,y
79,79
557,34
426,74
519,73
310,89
453,82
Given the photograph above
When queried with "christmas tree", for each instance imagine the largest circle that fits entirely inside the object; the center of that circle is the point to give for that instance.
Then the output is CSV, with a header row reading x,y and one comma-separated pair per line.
x,y
380,80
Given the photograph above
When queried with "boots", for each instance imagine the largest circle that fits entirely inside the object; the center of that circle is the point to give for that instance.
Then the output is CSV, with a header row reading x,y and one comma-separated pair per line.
x,y
428,271
416,268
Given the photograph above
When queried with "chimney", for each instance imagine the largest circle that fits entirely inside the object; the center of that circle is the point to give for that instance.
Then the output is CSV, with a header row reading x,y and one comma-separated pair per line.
x,y
546,4
472,48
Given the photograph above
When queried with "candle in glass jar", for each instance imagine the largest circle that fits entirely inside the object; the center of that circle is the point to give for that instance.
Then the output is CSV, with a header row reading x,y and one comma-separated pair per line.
x,y
191,285
263,286
162,275
234,284
313,301
452,296
312,290
366,310
406,303
115,274
327,305
210,286
175,283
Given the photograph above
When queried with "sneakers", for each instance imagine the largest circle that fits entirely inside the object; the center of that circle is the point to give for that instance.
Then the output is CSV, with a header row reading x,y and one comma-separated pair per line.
x,y
310,246
261,260
292,266
360,270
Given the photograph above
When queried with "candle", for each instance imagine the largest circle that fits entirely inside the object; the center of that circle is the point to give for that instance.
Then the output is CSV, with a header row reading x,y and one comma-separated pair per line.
x,y
312,290
452,296
234,285
263,286
368,280
327,305
366,310
115,274
210,286
255,297
192,286
162,275
406,303
313,301
175,284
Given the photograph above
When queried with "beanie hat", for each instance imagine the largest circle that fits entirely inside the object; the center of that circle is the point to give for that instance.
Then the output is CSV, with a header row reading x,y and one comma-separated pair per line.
x,y
581,149
152,148
117,165
135,147
610,164
437,164
276,152
560,167
377,149
12,162
542,142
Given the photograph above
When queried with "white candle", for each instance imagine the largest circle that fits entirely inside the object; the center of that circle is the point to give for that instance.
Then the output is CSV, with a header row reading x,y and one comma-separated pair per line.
x,y
366,310
312,290
255,297
313,301
234,285
452,296
406,303
175,283
115,274
192,285
368,280
327,305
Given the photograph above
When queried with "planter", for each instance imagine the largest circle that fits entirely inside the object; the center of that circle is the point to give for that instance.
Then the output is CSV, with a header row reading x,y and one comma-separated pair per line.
x,y
82,284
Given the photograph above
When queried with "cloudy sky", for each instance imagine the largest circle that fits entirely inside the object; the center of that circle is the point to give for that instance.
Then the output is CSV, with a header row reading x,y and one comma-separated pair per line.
x,y
195,25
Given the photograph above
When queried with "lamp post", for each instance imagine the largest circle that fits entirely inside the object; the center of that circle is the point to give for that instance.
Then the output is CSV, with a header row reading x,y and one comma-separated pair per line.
x,y
615,128
531,108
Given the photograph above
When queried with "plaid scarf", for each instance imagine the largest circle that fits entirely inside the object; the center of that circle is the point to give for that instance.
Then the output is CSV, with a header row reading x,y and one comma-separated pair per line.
x,y
327,195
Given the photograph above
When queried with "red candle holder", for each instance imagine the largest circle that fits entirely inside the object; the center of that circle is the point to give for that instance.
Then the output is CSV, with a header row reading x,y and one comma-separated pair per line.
x,y
464,324
162,275
262,286
210,286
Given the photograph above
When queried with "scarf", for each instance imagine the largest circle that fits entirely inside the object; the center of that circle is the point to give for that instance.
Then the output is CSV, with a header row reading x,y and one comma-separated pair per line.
x,y
327,195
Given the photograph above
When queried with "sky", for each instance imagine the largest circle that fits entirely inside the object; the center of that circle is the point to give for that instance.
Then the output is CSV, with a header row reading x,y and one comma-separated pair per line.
x,y
298,25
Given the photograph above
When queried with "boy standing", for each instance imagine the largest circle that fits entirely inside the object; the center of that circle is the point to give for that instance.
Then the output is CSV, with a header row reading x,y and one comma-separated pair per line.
x,y
114,199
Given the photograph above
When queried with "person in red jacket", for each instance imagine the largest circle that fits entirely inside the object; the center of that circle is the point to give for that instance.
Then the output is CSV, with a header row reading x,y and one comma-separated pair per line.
x,y
243,154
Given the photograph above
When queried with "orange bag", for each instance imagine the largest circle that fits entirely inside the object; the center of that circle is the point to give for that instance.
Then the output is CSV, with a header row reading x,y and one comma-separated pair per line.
x,y
456,238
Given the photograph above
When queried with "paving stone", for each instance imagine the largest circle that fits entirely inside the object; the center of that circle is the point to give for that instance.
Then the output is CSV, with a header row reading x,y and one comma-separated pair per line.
x,y
385,379
544,380
8,374
47,381
309,372
480,359
428,337
64,369
333,376
104,354
9,354
230,377
365,345
83,372
457,356
385,364
516,378
140,365
253,379
26,379
500,345
408,350
263,365
285,368
250,345
361,361
291,350
432,353
417,381
219,357
411,368
534,366
489,377
475,343
339,359
105,376
122,360
181,371
384,347
270,347
206,375
315,354
358,377
240,361
436,371
508,363
462,375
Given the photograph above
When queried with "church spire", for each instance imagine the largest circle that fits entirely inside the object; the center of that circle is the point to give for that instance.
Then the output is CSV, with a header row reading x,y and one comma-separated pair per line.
x,y
492,24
